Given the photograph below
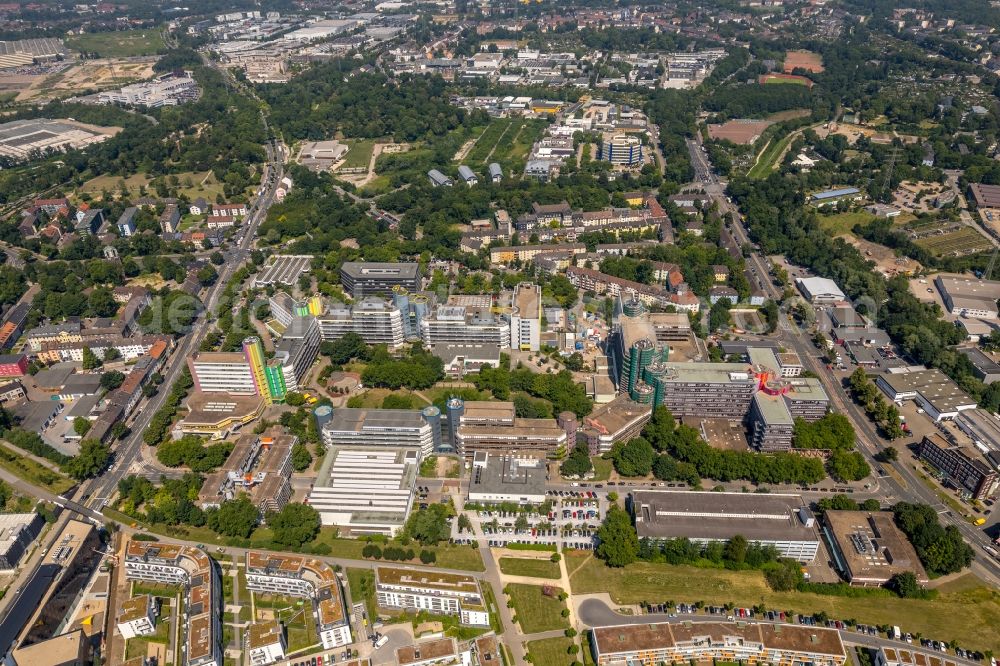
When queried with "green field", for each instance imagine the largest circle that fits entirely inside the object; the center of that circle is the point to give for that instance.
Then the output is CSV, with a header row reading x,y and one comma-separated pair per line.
x,y
602,468
960,242
519,566
767,160
487,141
536,612
359,154
362,588
842,223
372,398
551,652
513,151
117,44
966,610
34,472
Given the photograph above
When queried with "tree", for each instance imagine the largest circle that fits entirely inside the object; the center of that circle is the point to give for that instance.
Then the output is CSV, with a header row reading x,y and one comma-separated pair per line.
x,y
618,544
848,466
342,350
112,354
217,258
91,460
888,454
718,315
295,525
574,362
207,275
905,585
429,526
577,463
633,458
294,399
90,360
81,425
833,432
301,458
112,380
941,549
236,517
783,575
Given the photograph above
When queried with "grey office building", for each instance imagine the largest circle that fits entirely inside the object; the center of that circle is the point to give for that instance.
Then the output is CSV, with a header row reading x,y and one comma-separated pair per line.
x,y
364,278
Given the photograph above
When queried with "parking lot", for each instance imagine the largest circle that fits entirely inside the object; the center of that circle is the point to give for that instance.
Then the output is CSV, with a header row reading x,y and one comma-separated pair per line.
x,y
570,520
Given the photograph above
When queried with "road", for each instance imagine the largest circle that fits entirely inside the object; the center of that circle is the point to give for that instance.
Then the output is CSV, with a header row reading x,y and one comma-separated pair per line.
x,y
96,493
799,340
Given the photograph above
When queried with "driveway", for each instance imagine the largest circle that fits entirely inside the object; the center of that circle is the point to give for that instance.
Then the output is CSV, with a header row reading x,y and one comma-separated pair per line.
x,y
398,635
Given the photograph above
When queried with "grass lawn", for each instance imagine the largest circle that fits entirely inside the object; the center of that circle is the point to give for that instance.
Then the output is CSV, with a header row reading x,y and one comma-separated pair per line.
x,y
296,616
551,652
34,472
535,611
519,566
359,153
768,157
965,609
202,184
113,184
372,398
842,223
602,468
362,586
117,44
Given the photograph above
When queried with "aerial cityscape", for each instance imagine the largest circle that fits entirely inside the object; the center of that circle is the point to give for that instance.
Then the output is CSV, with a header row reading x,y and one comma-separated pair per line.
x,y
500,332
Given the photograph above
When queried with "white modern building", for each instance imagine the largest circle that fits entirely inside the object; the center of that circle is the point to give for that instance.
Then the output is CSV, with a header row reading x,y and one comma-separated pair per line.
x,y
377,321
193,570
304,578
782,521
266,643
437,592
137,616
380,427
366,491
820,290
526,317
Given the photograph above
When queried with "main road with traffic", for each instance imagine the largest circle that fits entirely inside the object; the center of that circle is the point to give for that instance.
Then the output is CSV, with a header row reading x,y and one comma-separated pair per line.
x,y
912,488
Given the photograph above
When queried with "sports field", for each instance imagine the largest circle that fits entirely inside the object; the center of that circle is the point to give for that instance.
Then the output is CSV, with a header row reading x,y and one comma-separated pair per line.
x,y
120,44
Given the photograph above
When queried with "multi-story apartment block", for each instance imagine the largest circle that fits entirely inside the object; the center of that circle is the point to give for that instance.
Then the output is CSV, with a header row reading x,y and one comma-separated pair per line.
x,y
676,643
137,616
266,642
525,253
602,283
526,317
438,592
304,578
192,569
